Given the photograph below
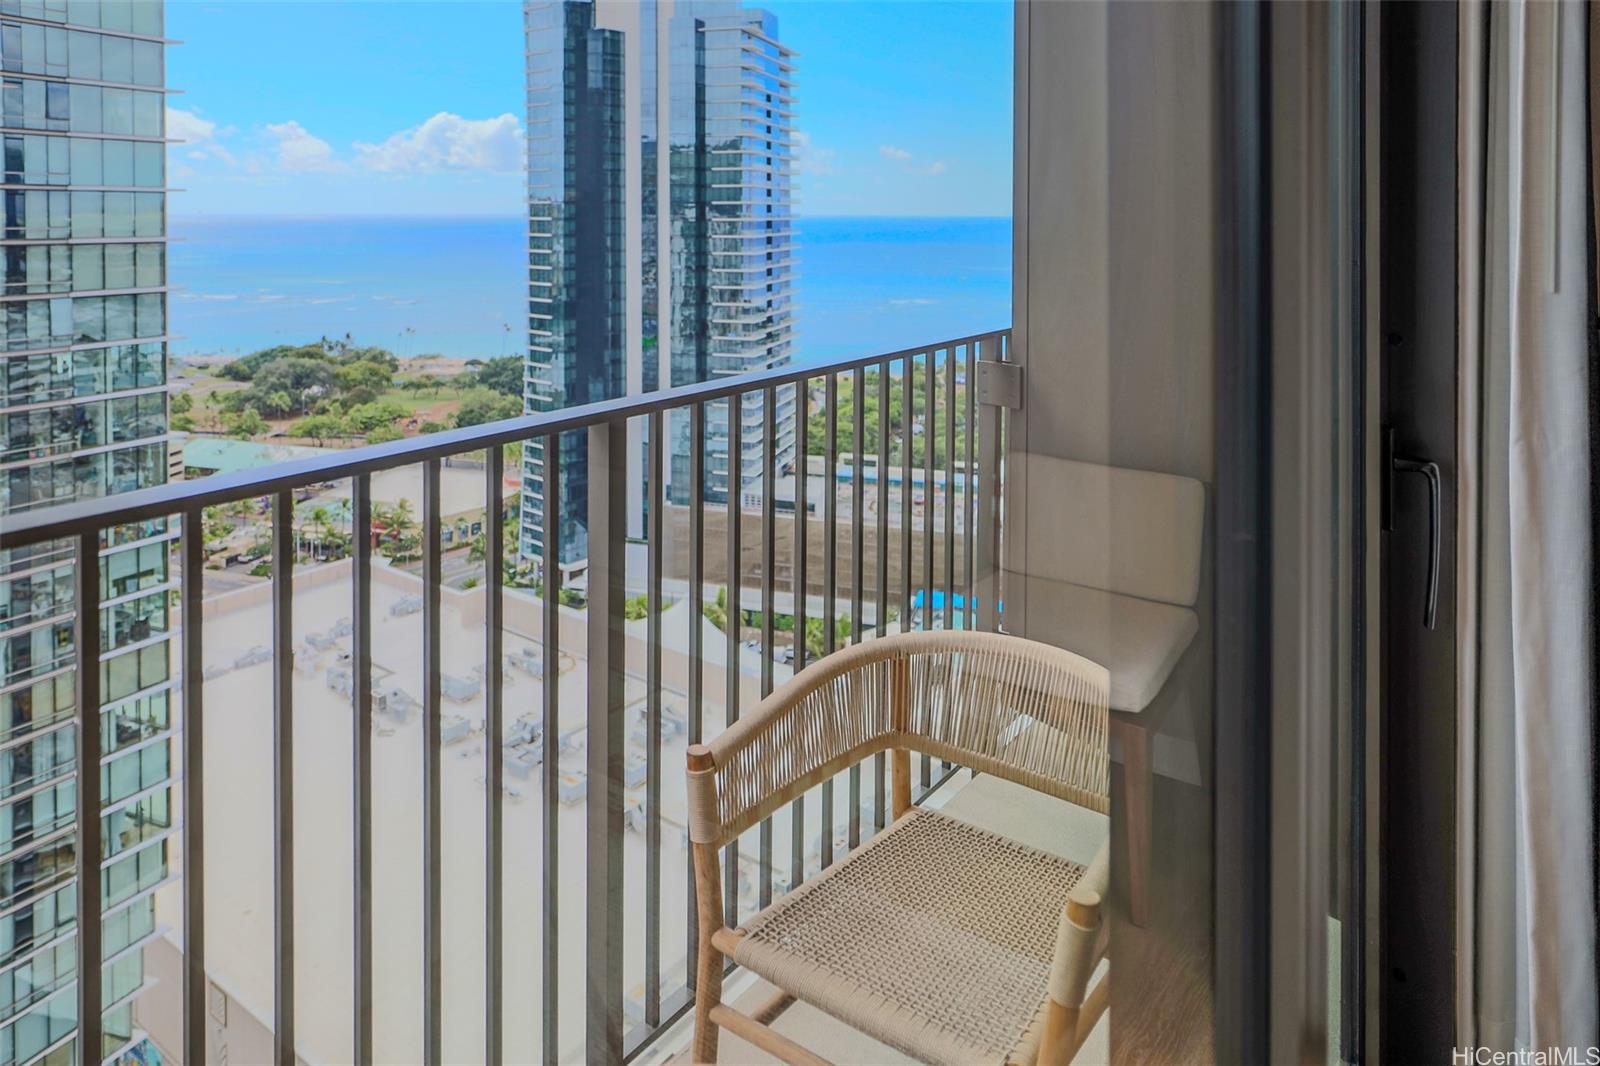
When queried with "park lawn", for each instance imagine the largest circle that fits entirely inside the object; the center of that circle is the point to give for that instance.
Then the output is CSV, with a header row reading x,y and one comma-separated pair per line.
x,y
436,405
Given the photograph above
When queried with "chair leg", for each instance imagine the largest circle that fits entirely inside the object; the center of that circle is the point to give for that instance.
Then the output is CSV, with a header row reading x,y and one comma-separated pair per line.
x,y
1136,814
707,995
709,966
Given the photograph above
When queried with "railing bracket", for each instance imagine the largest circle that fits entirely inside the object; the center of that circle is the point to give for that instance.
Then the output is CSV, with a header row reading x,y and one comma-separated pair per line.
x,y
1000,384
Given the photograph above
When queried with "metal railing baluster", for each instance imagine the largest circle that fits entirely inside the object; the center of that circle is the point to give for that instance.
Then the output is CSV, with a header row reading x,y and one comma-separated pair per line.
x,y
830,571
608,474
952,356
550,656
950,488
432,750
907,432
969,502
494,621
655,503
858,572
987,547
930,498
802,521
361,685
86,642
881,498
283,777
194,878
769,557
732,617
697,604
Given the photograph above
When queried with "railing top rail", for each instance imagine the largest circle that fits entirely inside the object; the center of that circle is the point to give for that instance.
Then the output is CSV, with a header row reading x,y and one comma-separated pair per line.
x,y
176,497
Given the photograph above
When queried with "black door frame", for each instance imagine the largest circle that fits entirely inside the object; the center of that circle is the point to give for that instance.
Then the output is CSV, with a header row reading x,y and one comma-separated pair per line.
x,y
1292,554
1418,381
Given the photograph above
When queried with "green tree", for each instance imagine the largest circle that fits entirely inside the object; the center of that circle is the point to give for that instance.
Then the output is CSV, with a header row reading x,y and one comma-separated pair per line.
x,y
502,375
363,381
181,403
482,405
815,632
402,540
384,434
347,354
635,608
245,367
844,431
321,526
717,611
321,427
288,385
366,417
217,527
245,424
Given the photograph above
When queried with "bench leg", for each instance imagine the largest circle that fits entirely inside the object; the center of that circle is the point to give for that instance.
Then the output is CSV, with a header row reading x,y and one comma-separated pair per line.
x,y
1136,814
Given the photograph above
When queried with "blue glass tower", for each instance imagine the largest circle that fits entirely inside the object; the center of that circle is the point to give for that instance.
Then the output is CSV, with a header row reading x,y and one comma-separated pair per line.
x,y
83,412
660,227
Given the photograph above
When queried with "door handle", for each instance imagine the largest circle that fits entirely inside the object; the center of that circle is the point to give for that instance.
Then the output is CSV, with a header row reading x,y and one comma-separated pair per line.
x,y
1393,464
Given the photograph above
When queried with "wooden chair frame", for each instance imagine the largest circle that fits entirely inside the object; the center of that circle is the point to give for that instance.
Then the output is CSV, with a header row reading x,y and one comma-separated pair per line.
x,y
880,684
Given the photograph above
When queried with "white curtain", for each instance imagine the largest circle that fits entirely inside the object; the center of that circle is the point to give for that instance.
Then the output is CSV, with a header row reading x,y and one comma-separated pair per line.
x,y
1530,690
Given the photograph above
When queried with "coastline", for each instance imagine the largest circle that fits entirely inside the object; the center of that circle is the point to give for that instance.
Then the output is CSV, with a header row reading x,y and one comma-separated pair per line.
x,y
456,285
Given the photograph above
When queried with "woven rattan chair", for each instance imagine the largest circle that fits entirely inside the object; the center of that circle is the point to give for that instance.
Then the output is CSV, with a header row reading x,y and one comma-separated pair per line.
x,y
948,942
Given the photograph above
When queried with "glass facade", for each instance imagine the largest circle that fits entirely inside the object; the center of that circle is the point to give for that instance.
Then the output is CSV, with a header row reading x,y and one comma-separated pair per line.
x,y
83,412
747,242
576,258
664,262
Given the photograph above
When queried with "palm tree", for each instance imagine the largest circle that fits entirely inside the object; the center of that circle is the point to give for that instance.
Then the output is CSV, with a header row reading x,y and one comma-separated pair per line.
x,y
404,520
322,521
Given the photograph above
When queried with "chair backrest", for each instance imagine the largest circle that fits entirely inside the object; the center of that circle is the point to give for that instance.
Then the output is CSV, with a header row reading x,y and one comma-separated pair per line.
x,y
1132,532
1029,712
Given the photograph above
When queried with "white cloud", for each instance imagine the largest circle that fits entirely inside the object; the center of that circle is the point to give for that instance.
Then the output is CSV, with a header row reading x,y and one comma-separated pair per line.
x,y
188,126
201,134
449,142
298,149
812,159
905,157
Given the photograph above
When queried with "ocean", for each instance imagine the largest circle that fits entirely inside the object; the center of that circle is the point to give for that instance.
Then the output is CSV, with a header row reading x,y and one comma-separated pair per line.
x,y
457,286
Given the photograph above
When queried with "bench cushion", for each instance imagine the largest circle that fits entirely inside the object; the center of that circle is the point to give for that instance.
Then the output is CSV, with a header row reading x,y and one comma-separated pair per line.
x,y
1138,641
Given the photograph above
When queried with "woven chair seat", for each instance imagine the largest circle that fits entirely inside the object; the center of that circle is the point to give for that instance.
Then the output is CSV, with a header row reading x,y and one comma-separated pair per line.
x,y
935,938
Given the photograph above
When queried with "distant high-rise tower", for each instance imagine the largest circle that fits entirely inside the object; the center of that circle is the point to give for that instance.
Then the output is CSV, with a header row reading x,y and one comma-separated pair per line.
x,y
83,412
660,226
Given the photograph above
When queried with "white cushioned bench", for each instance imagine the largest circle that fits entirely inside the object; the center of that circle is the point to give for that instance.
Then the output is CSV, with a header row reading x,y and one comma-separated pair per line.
x,y
1113,573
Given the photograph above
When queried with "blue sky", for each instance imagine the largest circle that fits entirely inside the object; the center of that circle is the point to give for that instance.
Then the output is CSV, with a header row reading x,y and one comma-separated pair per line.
x,y
389,107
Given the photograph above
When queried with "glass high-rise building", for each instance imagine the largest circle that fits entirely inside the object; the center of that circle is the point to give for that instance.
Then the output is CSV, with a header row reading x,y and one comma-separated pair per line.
x,y
83,412
660,231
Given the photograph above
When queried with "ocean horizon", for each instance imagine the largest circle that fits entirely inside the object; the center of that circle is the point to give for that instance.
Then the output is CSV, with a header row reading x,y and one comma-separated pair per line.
x,y
457,286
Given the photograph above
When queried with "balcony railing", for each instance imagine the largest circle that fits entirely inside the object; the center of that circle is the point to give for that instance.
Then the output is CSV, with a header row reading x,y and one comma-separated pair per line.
x,y
917,545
